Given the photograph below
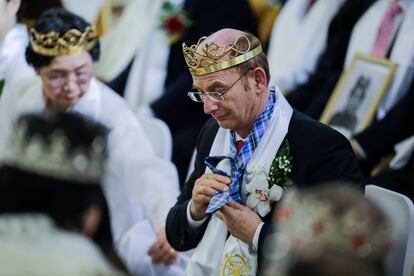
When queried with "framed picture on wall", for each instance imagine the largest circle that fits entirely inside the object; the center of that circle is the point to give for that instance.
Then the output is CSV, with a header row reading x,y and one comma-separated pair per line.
x,y
358,93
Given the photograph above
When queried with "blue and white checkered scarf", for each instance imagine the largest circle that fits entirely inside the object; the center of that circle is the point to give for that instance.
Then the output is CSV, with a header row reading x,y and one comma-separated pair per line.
x,y
239,161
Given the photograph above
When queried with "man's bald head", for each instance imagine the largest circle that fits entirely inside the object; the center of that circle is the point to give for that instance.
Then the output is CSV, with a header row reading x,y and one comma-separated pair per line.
x,y
225,49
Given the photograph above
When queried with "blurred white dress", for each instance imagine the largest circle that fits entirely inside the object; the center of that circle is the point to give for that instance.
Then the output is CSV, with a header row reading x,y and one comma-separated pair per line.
x,y
32,245
13,44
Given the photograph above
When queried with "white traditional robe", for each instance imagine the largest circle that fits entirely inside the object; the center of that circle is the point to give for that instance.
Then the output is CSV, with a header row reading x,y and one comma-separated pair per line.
x,y
88,10
140,188
145,83
127,37
12,45
206,260
31,244
298,39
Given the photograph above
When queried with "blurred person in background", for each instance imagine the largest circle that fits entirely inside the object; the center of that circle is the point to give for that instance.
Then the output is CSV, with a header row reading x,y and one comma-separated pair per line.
x,y
51,202
299,36
331,61
13,66
322,230
383,31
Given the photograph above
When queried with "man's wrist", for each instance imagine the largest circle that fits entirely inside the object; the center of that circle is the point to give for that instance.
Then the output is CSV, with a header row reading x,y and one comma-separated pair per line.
x,y
191,221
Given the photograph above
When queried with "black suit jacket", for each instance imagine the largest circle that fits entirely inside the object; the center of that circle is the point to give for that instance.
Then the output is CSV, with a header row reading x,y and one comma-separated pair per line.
x,y
312,96
380,138
320,154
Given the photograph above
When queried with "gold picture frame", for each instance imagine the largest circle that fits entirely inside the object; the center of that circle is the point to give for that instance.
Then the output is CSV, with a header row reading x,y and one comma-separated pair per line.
x,y
358,93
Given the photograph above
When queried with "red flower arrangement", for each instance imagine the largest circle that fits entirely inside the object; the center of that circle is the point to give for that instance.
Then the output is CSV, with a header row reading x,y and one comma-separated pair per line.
x,y
174,21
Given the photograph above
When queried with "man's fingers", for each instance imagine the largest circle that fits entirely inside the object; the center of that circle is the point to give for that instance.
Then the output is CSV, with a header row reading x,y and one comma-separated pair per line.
x,y
220,215
217,177
205,190
203,199
210,187
234,204
222,187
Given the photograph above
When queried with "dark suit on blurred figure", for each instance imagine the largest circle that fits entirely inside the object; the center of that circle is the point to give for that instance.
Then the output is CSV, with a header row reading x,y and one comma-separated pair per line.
x,y
311,97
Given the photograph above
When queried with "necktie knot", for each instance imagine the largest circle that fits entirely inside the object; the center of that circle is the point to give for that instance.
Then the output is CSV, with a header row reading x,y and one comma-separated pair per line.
x,y
394,8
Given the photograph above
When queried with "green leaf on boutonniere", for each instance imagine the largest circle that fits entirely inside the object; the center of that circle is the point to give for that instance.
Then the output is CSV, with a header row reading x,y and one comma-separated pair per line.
x,y
281,166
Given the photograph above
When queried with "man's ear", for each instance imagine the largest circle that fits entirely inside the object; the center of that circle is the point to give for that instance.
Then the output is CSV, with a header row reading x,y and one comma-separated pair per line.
x,y
260,79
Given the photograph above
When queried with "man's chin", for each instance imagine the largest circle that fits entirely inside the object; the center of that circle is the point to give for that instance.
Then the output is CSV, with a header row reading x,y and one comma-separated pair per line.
x,y
224,124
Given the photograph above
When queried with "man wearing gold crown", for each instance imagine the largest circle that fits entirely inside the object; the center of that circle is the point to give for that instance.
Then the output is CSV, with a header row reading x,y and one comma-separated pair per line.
x,y
62,50
255,148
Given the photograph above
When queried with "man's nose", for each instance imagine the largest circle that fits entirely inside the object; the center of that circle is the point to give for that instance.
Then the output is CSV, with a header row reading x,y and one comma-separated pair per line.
x,y
209,105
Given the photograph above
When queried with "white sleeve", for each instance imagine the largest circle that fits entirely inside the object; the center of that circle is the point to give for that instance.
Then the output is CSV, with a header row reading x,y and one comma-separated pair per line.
x,y
148,179
6,114
133,236
191,222
255,241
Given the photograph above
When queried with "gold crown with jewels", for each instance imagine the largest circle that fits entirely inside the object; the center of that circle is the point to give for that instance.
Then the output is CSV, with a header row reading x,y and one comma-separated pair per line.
x,y
54,44
209,59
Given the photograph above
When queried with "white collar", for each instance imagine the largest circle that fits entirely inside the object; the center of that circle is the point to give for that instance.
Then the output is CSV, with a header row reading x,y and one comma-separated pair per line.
x,y
238,137
404,4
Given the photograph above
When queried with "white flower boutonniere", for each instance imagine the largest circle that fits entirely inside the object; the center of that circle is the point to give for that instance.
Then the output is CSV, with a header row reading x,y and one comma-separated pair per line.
x,y
264,189
260,195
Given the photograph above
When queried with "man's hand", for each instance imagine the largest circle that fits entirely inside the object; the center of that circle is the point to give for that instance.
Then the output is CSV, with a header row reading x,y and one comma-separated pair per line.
x,y
241,221
204,188
161,251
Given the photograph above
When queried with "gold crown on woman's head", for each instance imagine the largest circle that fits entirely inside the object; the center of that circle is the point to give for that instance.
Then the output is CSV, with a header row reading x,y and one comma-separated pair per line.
x,y
54,44
213,57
